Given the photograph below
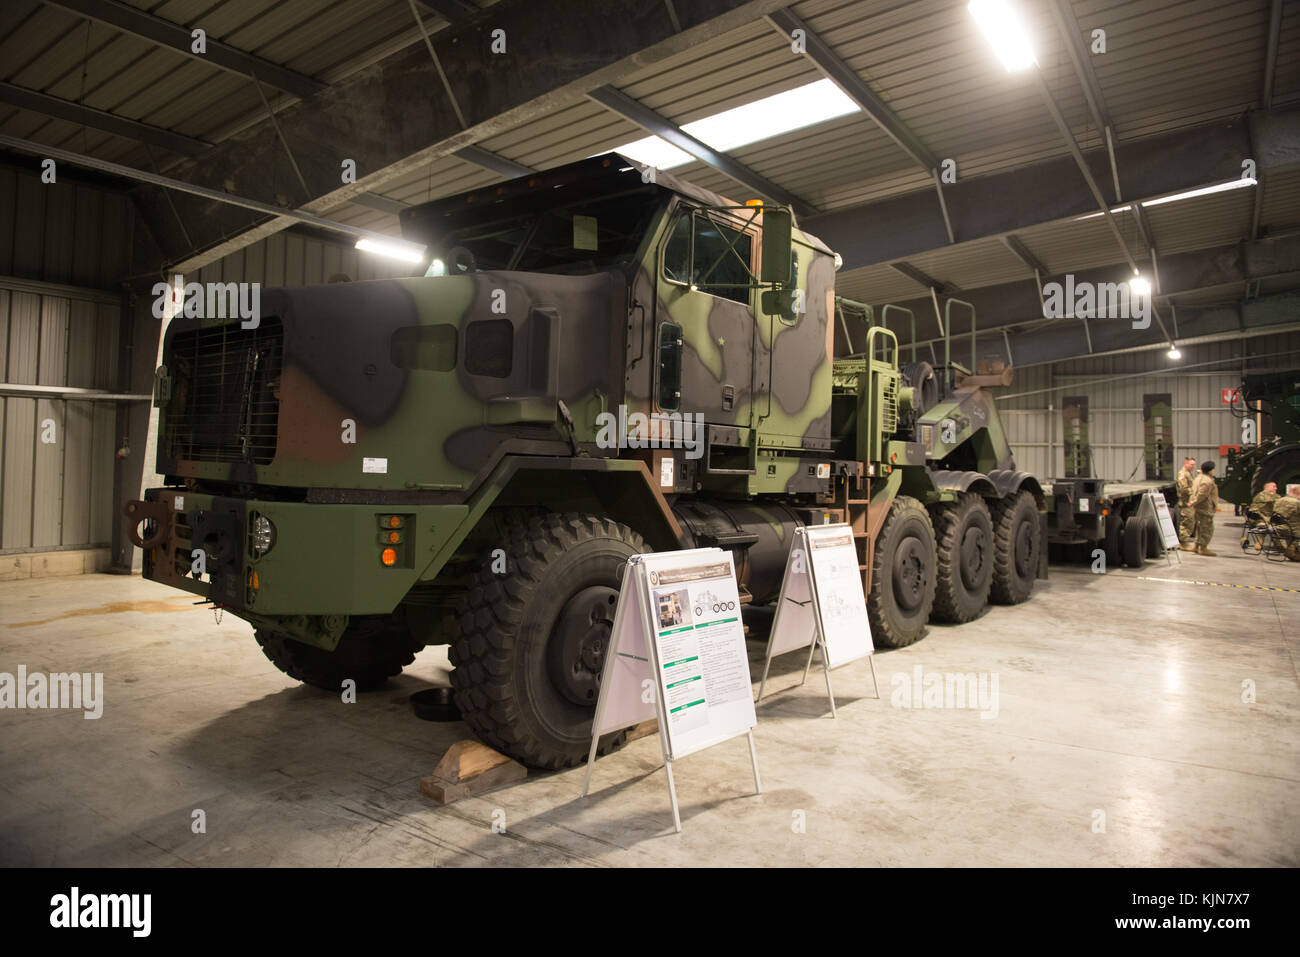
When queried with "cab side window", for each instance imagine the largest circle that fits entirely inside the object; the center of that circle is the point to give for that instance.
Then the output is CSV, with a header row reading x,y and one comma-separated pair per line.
x,y
718,271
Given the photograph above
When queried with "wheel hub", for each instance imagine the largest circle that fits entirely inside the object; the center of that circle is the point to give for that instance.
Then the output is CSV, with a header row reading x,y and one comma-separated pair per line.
x,y
1024,549
973,556
576,650
909,574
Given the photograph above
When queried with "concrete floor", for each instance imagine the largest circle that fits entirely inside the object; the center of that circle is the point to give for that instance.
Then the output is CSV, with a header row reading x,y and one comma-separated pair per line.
x,y
1120,697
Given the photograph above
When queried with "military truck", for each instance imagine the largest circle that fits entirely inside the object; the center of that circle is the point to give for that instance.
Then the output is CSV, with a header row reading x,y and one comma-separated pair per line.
x,y
601,360
1275,458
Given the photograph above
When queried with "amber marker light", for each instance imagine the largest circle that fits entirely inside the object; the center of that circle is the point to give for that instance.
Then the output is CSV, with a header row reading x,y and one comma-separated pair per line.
x,y
388,556
394,537
394,521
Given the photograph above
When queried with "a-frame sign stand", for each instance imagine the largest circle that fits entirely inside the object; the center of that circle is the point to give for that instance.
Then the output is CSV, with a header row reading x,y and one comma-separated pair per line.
x,y
815,590
677,654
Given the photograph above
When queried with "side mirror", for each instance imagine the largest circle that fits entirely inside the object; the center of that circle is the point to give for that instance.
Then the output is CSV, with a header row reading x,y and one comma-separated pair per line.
x,y
778,239
778,302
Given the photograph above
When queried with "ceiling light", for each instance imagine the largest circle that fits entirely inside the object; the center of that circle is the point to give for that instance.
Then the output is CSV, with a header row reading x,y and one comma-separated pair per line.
x,y
393,249
1006,33
1140,285
1173,352
1205,191
740,126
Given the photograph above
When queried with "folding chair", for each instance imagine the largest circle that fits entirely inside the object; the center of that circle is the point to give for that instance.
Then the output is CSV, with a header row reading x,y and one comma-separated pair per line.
x,y
1257,532
1280,540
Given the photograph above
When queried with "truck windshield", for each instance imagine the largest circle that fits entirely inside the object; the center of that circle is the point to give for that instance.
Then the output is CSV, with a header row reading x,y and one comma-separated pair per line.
x,y
544,233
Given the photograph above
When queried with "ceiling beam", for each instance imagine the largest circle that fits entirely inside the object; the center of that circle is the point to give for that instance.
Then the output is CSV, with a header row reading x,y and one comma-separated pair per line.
x,y
1021,252
818,51
165,33
453,11
1220,267
179,186
616,101
1270,55
923,278
368,117
60,109
1049,191
493,161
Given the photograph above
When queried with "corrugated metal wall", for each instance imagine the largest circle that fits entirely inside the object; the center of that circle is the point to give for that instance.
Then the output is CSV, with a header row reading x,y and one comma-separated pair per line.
x,y
56,494
64,251
65,232
1115,385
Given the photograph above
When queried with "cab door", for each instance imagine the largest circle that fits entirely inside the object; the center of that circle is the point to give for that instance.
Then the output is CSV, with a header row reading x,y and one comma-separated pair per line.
x,y
706,299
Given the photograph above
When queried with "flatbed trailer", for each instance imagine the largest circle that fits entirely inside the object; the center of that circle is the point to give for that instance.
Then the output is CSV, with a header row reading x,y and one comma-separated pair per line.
x,y
1094,513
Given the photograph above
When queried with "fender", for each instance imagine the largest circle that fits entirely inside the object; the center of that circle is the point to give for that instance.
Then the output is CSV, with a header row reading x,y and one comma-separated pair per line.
x,y
1009,482
623,489
975,482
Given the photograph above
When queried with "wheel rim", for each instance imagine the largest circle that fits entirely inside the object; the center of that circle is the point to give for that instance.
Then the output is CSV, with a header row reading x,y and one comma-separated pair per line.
x,y
974,555
909,574
1024,549
576,649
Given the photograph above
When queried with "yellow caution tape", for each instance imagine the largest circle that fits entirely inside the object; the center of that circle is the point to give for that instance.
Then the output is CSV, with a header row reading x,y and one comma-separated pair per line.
x,y
1194,581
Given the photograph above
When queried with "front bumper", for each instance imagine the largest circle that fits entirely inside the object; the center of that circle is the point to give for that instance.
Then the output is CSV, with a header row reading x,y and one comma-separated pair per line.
x,y
325,560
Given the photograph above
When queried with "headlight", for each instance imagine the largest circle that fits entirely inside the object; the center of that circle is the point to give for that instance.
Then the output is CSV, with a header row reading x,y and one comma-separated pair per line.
x,y
261,535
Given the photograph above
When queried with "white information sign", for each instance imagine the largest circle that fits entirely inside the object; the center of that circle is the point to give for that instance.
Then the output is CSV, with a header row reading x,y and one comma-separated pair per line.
x,y
677,653
1168,533
821,604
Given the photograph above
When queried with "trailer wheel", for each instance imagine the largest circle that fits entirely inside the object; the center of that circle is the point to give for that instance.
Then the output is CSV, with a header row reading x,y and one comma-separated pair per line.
x,y
1016,544
902,575
1155,544
529,645
1135,541
963,534
372,650
1112,544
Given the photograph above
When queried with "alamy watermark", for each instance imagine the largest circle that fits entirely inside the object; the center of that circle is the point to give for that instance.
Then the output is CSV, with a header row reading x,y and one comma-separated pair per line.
x,y
1098,300
952,690
213,300
662,430
55,691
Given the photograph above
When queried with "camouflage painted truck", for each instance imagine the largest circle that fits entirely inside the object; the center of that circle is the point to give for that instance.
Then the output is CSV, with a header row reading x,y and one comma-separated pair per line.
x,y
595,365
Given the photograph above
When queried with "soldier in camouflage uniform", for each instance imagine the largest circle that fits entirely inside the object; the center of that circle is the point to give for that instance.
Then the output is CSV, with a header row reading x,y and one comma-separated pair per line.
x,y
1288,507
1258,513
1204,501
1186,476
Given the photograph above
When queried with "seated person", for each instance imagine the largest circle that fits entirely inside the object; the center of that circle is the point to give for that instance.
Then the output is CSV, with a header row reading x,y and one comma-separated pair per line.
x,y
1287,509
1262,504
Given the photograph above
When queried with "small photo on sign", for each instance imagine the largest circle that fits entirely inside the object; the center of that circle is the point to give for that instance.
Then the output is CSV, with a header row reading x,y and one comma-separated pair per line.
x,y
672,608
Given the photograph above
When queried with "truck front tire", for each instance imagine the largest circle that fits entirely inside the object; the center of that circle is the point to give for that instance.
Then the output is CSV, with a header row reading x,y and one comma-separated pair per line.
x,y
372,650
528,645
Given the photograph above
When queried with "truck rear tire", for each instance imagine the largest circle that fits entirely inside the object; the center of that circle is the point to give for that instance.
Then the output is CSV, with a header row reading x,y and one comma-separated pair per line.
x,y
902,575
372,650
963,534
529,645
1135,541
1016,548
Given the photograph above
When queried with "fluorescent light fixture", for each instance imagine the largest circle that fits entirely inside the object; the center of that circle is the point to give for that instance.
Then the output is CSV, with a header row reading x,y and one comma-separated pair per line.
x,y
393,249
1140,285
1005,31
1173,352
1206,191
1176,197
760,120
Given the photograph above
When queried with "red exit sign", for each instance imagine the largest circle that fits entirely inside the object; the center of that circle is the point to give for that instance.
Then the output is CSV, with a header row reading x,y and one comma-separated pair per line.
x,y
1226,396
1225,449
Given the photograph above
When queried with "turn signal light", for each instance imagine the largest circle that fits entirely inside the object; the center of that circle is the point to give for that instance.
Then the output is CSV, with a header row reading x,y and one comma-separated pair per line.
x,y
388,556
394,537
393,521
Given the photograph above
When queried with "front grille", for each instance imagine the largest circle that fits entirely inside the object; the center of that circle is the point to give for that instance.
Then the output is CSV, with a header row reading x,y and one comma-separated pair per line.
x,y
225,395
